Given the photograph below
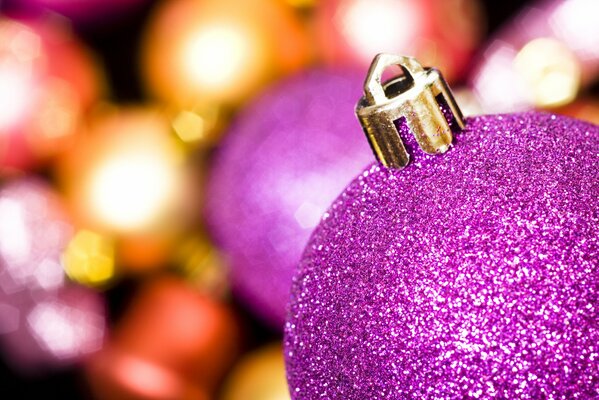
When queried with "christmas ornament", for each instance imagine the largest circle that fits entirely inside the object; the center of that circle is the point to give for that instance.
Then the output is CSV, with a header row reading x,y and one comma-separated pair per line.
x,y
469,272
44,322
262,215
540,59
439,32
126,174
172,341
83,12
200,52
259,376
48,80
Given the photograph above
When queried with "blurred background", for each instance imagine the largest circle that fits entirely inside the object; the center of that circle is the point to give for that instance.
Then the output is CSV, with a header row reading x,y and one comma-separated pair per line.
x,y
162,164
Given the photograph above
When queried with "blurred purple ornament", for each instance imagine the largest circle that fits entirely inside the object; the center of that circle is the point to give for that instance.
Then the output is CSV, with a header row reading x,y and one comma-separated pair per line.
x,y
285,159
83,11
471,274
541,58
44,322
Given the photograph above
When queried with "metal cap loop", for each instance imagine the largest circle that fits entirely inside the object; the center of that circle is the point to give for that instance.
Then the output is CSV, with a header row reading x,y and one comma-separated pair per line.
x,y
415,96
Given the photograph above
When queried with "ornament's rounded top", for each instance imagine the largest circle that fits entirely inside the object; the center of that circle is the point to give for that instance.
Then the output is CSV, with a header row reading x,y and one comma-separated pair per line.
x,y
419,98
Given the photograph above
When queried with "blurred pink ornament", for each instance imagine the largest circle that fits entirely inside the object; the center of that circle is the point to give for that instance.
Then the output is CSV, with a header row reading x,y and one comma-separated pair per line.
x,y
541,58
43,322
439,32
48,80
83,11
63,328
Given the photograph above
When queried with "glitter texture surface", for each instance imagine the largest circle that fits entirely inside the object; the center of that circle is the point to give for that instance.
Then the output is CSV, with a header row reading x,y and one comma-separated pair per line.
x,y
281,166
467,275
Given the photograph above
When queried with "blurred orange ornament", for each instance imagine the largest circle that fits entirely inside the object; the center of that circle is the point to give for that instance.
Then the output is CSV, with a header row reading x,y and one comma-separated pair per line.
x,y
586,109
126,174
259,376
48,80
443,33
171,342
220,51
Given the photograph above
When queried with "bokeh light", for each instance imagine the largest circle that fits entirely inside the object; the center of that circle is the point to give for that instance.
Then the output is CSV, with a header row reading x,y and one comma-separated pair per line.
x,y
89,258
34,230
70,325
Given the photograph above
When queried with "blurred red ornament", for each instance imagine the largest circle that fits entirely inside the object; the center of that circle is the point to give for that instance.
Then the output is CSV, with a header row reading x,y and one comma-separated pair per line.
x,y
220,51
83,11
541,58
173,343
438,32
48,80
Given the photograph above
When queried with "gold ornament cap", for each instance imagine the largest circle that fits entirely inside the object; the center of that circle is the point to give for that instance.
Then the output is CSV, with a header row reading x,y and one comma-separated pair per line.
x,y
415,96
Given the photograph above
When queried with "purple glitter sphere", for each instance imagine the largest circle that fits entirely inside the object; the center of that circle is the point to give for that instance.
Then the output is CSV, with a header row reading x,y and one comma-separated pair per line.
x,y
282,164
467,275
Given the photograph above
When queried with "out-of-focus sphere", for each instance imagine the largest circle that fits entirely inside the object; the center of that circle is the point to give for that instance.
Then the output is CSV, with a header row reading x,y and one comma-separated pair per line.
x,y
84,11
126,175
48,81
474,274
283,161
43,321
259,376
220,51
172,332
56,330
438,32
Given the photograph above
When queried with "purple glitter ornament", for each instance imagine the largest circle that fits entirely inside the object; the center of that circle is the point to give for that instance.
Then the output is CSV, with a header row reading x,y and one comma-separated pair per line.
x,y
282,164
471,274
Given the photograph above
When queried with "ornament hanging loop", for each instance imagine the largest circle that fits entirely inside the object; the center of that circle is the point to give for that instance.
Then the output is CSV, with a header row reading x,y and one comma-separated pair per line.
x,y
415,97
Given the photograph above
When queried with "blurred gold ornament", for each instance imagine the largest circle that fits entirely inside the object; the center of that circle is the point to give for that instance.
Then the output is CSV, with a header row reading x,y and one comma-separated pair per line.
x,y
259,376
126,175
220,51
89,258
550,70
